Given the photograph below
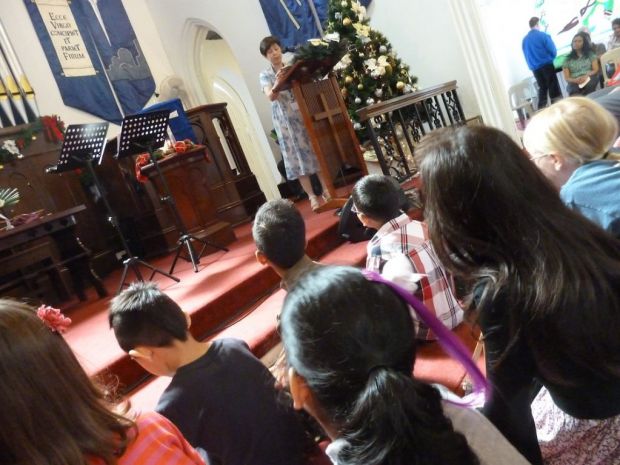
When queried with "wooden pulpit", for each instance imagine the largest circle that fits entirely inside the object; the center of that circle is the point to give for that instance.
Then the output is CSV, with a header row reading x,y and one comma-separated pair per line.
x,y
327,121
186,176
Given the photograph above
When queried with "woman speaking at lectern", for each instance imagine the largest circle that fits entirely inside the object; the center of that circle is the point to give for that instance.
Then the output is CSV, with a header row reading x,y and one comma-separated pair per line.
x,y
299,158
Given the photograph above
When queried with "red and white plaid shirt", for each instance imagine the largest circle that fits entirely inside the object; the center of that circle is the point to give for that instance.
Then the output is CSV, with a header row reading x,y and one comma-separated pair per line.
x,y
403,245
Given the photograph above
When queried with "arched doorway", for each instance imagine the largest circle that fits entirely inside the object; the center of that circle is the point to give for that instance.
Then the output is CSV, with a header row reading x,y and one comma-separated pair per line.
x,y
217,77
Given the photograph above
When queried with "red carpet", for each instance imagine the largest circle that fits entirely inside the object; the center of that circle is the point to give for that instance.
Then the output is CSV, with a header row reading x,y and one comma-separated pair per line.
x,y
231,296
226,287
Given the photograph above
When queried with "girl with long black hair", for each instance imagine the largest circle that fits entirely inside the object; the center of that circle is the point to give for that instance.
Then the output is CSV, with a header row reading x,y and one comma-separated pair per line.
x,y
546,291
350,345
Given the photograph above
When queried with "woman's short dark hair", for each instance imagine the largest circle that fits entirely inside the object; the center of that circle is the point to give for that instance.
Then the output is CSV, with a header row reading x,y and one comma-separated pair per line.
x,y
534,20
353,341
51,411
494,218
587,45
266,44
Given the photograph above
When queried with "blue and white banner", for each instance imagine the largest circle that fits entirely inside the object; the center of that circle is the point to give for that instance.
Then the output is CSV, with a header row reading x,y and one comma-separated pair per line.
x,y
120,52
293,22
94,55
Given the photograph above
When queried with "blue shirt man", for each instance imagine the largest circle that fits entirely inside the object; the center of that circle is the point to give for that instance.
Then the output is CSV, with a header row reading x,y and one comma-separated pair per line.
x,y
540,51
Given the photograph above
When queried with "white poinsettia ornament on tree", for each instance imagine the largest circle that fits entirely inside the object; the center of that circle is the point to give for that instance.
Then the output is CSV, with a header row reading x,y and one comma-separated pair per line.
x,y
370,71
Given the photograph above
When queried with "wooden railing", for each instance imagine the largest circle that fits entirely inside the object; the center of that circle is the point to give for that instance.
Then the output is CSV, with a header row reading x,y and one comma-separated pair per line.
x,y
395,126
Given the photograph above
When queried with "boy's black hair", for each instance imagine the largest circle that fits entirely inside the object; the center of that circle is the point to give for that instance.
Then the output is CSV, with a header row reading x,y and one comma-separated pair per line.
x,y
379,197
142,315
534,20
280,233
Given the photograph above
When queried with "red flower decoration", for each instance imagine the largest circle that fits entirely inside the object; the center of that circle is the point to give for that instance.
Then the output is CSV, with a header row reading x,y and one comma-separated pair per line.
x,y
52,128
53,318
180,147
142,160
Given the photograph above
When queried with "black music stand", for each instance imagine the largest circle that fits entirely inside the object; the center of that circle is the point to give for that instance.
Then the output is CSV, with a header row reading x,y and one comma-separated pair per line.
x,y
83,147
147,132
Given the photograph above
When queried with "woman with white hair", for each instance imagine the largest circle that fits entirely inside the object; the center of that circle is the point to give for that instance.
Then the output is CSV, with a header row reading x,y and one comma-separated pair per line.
x,y
570,142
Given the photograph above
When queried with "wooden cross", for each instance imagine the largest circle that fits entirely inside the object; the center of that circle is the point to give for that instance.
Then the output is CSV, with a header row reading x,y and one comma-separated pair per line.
x,y
329,113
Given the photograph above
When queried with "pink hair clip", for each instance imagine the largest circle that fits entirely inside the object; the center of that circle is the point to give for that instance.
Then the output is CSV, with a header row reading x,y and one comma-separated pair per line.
x,y
53,318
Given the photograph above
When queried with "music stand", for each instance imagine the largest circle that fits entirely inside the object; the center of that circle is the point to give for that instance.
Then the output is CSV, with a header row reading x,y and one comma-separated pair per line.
x,y
83,147
147,132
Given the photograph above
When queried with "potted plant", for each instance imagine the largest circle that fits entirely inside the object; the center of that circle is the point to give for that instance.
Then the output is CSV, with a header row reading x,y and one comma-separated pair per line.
x,y
8,197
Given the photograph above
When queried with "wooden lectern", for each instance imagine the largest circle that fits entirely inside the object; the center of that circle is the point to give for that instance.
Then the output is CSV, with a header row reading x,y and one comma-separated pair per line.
x,y
327,121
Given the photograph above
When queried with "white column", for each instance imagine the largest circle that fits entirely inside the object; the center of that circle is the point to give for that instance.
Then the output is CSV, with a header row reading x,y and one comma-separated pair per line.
x,y
491,94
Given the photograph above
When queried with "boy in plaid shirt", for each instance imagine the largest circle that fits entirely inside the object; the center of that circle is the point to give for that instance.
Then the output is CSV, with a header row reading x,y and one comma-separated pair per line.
x,y
401,250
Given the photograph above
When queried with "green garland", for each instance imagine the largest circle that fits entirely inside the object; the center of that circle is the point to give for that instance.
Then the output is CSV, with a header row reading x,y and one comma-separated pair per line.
x,y
319,49
25,137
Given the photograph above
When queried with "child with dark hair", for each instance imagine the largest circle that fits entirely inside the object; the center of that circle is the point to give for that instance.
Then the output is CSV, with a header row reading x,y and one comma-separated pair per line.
x,y
546,283
53,414
279,234
401,251
221,397
350,351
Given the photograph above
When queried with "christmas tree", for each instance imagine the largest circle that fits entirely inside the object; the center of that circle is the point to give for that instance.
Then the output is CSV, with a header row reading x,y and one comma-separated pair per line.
x,y
370,71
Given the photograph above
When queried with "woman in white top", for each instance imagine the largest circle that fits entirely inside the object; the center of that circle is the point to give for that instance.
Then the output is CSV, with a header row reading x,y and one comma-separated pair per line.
x,y
614,38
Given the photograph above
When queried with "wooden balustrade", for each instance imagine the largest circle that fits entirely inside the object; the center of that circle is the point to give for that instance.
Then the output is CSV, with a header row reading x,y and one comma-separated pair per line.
x,y
395,126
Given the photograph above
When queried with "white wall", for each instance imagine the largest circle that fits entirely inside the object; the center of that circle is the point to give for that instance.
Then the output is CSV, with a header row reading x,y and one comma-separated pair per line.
x,y
30,53
423,34
242,25
222,81
505,36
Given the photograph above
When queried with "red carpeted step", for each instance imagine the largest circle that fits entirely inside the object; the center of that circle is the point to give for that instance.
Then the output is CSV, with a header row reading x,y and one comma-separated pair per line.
x,y
228,283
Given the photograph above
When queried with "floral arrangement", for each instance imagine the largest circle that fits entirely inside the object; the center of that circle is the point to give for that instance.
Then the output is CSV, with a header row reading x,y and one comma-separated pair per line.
x,y
9,151
52,127
170,149
8,197
329,47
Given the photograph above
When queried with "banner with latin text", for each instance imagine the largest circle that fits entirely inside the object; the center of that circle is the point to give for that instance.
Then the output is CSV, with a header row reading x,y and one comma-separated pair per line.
x,y
94,55
65,38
